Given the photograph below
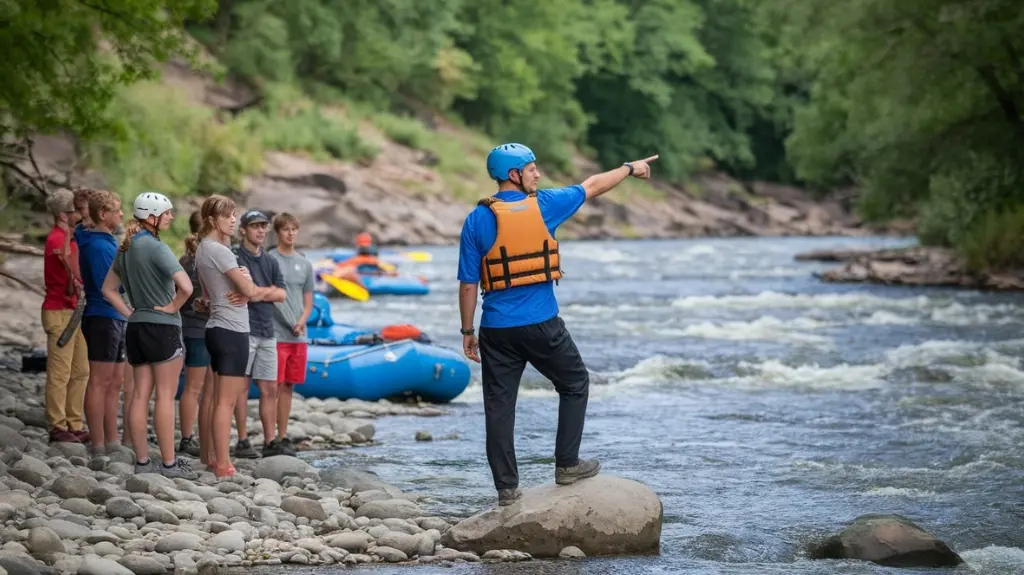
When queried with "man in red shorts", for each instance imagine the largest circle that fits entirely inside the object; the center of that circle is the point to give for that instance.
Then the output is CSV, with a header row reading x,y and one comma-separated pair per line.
x,y
290,326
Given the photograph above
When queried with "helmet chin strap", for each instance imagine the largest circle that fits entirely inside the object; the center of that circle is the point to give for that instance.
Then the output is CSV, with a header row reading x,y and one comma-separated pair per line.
x,y
519,184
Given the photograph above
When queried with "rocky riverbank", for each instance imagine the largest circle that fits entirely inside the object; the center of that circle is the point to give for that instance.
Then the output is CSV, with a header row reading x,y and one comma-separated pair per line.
x,y
913,266
65,512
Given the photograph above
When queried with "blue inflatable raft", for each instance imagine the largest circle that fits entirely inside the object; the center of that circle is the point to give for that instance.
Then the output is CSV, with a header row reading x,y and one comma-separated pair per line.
x,y
347,362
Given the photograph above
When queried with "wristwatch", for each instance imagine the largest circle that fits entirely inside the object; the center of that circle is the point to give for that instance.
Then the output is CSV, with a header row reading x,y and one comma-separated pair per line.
x,y
469,331
630,166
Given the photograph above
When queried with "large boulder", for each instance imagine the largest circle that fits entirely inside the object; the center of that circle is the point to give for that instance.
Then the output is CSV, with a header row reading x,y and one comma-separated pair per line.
x,y
890,540
603,515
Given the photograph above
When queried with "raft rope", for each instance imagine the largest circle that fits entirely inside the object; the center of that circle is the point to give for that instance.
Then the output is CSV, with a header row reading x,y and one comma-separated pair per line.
x,y
387,345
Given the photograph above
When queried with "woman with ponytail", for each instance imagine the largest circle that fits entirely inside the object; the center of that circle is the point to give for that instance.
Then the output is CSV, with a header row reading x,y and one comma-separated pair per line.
x,y
229,288
198,375
150,273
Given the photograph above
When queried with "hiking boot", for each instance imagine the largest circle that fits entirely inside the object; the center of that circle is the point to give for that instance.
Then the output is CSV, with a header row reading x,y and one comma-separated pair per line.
x,y
179,469
244,450
509,496
288,448
189,446
147,467
583,469
273,448
58,435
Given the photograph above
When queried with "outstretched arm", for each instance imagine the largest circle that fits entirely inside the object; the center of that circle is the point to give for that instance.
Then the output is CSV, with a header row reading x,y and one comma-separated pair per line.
x,y
600,183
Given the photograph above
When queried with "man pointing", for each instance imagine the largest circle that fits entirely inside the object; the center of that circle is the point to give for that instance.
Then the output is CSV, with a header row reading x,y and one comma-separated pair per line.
x,y
508,248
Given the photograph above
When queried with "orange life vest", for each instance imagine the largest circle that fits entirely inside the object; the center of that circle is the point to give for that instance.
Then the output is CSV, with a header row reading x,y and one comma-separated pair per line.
x,y
524,252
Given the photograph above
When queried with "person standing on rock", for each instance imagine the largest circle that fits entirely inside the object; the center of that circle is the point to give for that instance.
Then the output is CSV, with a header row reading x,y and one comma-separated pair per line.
x,y
150,273
103,326
67,367
508,249
266,273
290,318
229,287
199,381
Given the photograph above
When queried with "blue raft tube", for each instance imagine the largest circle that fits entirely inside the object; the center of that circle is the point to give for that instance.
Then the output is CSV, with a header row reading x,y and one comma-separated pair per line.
x,y
348,362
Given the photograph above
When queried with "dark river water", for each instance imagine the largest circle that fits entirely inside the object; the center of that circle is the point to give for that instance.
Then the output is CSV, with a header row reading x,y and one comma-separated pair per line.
x,y
764,407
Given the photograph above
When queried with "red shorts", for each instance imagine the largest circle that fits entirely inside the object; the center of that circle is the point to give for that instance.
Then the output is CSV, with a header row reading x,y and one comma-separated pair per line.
x,y
291,363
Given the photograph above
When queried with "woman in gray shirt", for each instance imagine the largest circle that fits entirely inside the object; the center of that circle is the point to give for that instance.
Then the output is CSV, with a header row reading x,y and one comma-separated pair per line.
x,y
228,288
150,273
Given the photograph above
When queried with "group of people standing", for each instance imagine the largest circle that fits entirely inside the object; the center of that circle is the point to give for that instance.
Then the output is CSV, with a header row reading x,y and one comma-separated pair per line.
x,y
226,314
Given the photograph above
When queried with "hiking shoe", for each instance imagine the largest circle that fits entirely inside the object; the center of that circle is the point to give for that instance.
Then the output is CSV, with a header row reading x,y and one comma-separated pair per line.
x,y
82,435
58,435
288,448
189,446
273,448
244,450
179,469
509,496
148,467
583,469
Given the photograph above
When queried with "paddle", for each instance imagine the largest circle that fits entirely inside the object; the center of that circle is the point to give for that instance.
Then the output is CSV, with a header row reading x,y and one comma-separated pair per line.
x,y
349,288
418,256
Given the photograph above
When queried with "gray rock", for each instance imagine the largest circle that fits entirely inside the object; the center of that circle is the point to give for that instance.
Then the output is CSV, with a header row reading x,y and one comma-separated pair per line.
x,y
432,523
227,507
28,477
18,499
157,514
278,467
24,565
571,552
353,542
12,438
505,555
424,436
74,487
79,506
30,463
357,481
890,540
302,507
123,507
95,537
11,422
407,544
142,565
102,493
603,515
231,540
43,541
364,497
32,416
148,483
400,508
68,529
104,548
68,450
389,554
179,542
94,565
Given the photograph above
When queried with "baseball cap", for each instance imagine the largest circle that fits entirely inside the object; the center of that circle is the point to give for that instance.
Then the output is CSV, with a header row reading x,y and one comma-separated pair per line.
x,y
61,202
254,217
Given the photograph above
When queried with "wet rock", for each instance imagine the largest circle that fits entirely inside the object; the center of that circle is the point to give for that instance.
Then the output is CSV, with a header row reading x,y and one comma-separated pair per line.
x,y
384,509
424,436
603,515
890,540
571,552
505,555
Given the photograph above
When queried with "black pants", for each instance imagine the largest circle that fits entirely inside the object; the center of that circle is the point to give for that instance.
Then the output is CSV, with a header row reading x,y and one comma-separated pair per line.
x,y
549,348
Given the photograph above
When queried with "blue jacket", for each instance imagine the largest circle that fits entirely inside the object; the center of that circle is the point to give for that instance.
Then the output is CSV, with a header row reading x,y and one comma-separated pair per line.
x,y
96,251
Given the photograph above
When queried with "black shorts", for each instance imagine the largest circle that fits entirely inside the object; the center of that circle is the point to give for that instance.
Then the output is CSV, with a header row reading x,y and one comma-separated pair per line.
x,y
152,343
104,338
229,351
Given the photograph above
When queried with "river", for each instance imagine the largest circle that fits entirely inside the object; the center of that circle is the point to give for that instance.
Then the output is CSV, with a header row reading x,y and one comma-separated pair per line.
x,y
764,407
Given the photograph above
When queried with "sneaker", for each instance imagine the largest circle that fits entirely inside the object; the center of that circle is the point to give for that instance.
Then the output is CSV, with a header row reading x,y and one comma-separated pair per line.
x,y
509,496
58,435
583,469
189,446
273,448
288,448
244,450
148,467
179,469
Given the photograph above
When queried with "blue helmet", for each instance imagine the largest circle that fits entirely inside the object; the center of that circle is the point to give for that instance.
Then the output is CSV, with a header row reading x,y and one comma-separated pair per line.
x,y
508,157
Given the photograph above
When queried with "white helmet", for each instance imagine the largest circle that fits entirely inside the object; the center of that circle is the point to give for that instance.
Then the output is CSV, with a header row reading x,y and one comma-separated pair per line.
x,y
151,204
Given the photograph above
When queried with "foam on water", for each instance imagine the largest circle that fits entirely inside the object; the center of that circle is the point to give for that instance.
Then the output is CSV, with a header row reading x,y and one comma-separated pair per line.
x,y
995,560
772,299
767,328
906,492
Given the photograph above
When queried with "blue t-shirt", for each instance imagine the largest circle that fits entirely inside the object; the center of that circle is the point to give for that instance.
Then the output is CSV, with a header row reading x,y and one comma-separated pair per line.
x,y
96,252
522,305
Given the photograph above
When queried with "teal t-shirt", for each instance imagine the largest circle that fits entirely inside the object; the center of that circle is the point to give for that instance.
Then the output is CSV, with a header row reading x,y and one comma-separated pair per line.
x,y
145,270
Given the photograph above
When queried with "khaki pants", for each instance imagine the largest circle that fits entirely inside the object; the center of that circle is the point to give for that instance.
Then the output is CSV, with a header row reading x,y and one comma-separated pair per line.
x,y
67,372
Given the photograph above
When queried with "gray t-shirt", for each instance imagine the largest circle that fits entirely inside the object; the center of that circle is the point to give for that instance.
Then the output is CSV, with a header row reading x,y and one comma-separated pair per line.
x,y
145,270
213,261
265,272
298,280
193,323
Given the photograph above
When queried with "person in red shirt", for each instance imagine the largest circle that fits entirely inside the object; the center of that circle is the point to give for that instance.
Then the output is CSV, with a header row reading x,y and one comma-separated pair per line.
x,y
67,368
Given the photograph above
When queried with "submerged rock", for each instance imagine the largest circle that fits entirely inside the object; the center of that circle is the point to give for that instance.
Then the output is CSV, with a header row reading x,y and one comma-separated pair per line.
x,y
890,540
604,515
